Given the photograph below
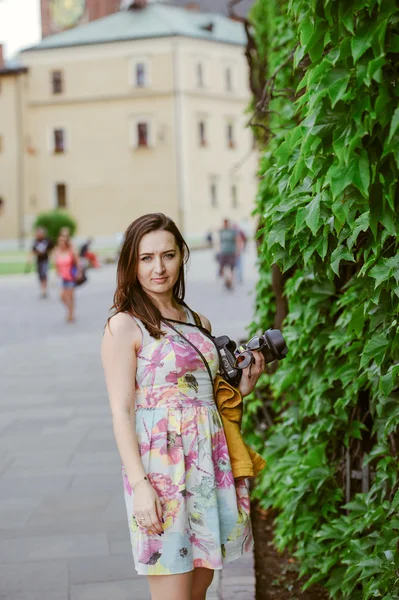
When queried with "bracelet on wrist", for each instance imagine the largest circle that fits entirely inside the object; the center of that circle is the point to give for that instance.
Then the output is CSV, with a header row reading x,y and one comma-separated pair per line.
x,y
145,478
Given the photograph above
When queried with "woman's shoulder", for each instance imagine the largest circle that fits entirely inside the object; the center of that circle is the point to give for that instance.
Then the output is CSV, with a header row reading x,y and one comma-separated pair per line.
x,y
206,324
123,326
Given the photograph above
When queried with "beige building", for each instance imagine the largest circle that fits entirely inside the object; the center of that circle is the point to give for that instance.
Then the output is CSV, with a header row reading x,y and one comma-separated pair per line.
x,y
141,111
12,163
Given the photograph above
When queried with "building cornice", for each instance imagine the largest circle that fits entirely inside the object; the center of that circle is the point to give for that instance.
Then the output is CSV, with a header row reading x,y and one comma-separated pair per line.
x,y
141,96
13,71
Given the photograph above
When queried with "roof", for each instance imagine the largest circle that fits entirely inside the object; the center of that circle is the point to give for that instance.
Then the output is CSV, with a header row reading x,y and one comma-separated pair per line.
x,y
12,67
154,21
219,6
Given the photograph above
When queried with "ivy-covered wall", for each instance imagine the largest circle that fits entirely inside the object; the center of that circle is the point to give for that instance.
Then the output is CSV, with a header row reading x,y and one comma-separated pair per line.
x,y
326,109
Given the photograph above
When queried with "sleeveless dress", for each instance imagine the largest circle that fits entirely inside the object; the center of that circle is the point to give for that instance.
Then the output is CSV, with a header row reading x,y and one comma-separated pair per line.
x,y
184,453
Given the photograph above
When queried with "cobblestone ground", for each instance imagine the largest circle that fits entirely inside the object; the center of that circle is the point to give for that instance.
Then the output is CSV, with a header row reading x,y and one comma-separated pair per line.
x,y
63,531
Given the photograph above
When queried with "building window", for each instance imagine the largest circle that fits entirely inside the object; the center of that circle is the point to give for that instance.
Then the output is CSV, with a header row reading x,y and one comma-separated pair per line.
x,y
59,146
143,140
60,195
230,136
234,196
213,193
1,205
141,131
229,79
141,75
200,75
202,133
57,82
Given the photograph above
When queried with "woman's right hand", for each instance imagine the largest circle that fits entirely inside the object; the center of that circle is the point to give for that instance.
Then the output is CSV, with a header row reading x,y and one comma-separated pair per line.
x,y
147,507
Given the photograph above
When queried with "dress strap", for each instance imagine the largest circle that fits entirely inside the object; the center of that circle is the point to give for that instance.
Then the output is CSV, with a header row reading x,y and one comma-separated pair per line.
x,y
145,336
192,317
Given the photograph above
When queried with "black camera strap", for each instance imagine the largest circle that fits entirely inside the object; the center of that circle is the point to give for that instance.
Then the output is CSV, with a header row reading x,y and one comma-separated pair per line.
x,y
167,322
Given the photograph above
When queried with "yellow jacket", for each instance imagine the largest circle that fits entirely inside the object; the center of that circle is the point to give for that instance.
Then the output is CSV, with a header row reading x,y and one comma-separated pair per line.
x,y
245,462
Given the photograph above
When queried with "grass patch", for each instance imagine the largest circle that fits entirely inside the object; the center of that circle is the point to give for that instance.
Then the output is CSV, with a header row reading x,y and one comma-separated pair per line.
x,y
12,268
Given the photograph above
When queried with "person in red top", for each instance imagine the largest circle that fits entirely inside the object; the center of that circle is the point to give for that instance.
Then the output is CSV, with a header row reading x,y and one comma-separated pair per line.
x,y
67,264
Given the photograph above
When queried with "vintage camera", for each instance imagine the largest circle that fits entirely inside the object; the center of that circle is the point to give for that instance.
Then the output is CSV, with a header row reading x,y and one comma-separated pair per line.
x,y
233,360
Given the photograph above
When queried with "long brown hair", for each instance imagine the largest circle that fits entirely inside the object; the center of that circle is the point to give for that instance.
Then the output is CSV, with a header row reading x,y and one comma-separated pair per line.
x,y
129,296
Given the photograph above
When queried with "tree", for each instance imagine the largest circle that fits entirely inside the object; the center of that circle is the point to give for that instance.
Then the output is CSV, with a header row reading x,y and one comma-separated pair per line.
x,y
53,221
328,206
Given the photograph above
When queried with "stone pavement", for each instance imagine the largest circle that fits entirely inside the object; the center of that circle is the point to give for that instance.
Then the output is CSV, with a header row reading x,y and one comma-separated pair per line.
x,y
63,530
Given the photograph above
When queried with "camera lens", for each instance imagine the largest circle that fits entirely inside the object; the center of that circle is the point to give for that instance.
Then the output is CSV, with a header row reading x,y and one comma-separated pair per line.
x,y
276,346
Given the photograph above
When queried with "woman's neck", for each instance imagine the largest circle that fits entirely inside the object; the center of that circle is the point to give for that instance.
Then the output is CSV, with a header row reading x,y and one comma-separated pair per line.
x,y
168,306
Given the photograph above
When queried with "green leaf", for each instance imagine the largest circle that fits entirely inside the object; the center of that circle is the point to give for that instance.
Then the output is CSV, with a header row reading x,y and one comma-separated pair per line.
x,y
357,321
313,214
374,350
337,81
361,173
394,125
362,40
381,272
339,254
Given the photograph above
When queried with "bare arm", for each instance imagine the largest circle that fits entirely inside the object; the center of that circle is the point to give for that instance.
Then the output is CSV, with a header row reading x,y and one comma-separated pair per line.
x,y
118,356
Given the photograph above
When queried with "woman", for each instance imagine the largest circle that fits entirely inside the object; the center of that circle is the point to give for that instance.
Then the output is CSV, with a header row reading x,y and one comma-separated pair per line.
x,y
67,264
186,513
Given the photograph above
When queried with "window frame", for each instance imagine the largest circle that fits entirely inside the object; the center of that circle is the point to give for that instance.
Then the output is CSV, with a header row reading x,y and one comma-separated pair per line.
x,y
213,191
56,196
135,123
54,150
199,75
202,133
134,64
234,196
55,92
231,137
228,79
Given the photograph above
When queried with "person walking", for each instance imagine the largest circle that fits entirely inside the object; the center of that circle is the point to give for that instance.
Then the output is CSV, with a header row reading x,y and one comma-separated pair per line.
x,y
187,514
67,264
227,253
41,249
241,244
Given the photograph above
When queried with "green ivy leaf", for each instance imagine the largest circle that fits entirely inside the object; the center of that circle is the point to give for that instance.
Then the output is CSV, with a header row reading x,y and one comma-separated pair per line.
x,y
362,40
339,254
381,272
375,349
313,214
337,81
394,125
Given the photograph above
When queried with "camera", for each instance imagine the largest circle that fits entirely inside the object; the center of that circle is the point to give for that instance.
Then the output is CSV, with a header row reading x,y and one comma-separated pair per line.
x,y
233,360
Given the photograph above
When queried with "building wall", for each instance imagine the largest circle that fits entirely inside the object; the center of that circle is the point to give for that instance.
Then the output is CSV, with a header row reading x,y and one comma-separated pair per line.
x,y
11,174
216,163
109,181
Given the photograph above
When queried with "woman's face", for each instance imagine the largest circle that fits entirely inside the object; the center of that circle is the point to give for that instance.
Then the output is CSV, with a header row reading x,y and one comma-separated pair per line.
x,y
159,262
63,240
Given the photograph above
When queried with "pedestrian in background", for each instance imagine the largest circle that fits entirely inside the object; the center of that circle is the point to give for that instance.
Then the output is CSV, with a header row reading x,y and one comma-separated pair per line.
x,y
227,253
241,244
41,248
68,266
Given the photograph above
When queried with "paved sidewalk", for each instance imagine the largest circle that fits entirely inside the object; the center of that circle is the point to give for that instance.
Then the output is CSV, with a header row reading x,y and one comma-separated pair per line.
x,y
63,530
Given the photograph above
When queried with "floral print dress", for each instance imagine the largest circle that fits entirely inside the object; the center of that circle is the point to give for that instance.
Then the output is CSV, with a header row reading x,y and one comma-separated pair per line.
x,y
184,453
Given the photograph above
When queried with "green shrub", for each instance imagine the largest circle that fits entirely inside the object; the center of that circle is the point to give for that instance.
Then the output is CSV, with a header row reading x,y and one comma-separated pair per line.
x,y
53,221
329,208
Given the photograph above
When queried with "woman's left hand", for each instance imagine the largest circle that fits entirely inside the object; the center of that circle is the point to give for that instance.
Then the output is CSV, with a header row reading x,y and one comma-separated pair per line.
x,y
251,374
